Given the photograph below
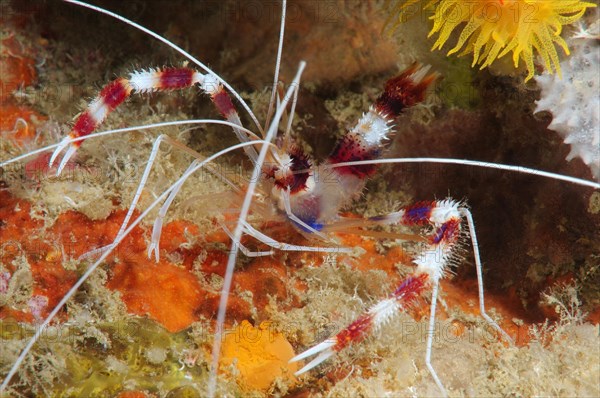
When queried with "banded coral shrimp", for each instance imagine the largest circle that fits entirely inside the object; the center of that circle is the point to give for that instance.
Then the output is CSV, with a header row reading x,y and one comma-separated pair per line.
x,y
342,271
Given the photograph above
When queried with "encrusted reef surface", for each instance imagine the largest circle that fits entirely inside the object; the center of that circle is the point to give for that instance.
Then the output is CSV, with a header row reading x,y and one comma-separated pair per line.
x,y
573,99
139,328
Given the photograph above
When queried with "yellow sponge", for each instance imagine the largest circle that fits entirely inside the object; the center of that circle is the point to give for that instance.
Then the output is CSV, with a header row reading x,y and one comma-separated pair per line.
x,y
260,355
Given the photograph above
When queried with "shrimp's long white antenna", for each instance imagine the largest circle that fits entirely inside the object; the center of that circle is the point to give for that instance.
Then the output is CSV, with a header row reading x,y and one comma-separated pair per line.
x,y
174,47
476,163
40,329
277,63
239,229
127,129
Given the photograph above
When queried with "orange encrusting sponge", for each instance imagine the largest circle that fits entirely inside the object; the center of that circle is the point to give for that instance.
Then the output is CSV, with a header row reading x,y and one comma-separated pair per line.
x,y
17,69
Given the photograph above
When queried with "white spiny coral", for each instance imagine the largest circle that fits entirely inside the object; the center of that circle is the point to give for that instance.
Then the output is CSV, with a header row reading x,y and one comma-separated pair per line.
x,y
574,100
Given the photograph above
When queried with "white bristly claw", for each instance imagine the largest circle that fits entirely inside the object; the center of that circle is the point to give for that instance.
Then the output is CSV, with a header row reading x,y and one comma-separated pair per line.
x,y
324,350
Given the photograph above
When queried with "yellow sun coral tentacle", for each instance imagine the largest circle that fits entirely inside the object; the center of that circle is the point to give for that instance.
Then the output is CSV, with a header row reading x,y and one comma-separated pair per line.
x,y
492,55
481,41
528,57
563,44
444,22
569,19
514,46
537,45
548,51
468,30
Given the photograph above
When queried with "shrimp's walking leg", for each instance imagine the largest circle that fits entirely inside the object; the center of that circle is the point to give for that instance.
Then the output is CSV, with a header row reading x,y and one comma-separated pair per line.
x,y
143,81
430,333
267,240
432,263
469,217
247,252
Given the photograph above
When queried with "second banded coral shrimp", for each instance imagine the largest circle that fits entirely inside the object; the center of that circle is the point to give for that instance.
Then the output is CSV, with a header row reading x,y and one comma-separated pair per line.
x,y
293,187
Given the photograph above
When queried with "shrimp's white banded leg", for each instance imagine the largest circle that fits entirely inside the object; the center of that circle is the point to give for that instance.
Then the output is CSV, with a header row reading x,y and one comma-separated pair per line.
x,y
368,323
432,262
144,81
109,98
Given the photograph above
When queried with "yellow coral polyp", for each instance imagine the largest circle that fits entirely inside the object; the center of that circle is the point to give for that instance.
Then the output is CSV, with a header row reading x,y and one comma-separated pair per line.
x,y
493,28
